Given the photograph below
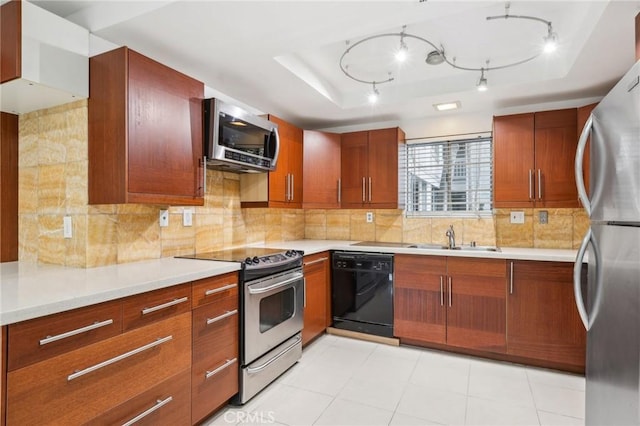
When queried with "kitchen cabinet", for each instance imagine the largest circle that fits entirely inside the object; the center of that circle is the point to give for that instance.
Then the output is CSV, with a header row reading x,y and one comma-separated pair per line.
x,y
321,170
3,374
453,301
543,321
534,159
8,187
145,132
281,187
215,344
369,168
74,387
317,311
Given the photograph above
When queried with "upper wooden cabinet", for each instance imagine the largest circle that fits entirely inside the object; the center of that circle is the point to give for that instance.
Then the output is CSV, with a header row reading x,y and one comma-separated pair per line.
x,y
321,165
283,186
145,132
534,159
369,168
285,182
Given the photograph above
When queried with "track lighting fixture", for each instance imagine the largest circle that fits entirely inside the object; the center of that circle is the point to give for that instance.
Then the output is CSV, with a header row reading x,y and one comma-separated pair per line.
x,y
437,54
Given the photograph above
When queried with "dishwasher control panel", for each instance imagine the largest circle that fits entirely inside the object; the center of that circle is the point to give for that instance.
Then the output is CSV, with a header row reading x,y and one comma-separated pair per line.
x,y
363,261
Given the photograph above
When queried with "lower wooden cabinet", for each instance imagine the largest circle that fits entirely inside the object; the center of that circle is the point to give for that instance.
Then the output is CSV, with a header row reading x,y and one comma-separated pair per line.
x,y
214,377
317,275
75,387
167,404
543,320
454,301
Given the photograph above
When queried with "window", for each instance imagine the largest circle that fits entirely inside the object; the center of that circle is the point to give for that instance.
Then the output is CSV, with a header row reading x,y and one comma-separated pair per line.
x,y
448,177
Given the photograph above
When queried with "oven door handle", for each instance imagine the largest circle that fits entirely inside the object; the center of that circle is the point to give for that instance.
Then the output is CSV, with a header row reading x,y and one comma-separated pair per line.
x,y
279,284
254,370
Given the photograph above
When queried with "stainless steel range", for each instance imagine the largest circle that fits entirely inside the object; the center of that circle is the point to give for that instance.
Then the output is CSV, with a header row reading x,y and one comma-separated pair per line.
x,y
272,306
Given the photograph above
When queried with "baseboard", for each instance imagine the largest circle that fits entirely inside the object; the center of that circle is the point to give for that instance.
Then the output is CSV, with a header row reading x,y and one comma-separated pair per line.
x,y
363,336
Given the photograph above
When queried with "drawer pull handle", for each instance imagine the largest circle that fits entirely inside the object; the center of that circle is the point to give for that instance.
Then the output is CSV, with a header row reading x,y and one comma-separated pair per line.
x,y
313,262
221,317
51,339
159,404
174,302
221,289
80,373
210,374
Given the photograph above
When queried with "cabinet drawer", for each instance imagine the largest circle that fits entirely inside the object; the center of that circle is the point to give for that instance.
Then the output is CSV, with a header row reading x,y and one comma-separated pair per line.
x,y
215,288
168,404
156,305
214,381
215,325
75,387
41,338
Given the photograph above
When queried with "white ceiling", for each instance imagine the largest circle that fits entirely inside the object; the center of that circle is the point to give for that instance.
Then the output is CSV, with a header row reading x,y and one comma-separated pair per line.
x,y
282,57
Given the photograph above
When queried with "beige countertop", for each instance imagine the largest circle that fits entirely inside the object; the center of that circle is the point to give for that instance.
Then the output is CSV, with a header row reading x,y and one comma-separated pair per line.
x,y
29,291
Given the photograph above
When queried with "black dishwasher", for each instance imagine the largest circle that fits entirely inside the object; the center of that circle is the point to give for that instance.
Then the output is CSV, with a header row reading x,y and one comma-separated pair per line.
x,y
362,292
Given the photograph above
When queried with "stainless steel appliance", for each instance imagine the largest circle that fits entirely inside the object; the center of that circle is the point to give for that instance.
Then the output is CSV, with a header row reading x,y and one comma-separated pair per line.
x,y
612,312
237,141
272,308
362,292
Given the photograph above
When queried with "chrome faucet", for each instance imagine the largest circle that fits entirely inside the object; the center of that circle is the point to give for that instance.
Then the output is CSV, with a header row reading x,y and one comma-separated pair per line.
x,y
451,234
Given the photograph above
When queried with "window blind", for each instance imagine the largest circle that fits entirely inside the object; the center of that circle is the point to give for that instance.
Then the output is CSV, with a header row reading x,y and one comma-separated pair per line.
x,y
448,177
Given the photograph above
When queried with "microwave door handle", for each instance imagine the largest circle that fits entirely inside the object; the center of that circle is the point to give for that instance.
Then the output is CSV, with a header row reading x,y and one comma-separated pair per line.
x,y
204,177
276,154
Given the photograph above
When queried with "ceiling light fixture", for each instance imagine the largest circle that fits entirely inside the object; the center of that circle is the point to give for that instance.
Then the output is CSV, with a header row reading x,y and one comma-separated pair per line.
x,y
403,51
373,96
438,55
447,106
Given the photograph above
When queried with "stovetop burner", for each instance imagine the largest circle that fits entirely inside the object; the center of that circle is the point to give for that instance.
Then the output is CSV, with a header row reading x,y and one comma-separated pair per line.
x,y
251,257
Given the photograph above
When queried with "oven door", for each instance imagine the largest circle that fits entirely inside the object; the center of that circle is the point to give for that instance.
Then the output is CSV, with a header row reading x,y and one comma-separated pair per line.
x,y
273,312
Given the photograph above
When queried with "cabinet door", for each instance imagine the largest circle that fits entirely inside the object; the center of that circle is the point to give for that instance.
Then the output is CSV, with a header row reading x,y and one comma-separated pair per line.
x,y
285,182
11,41
316,275
295,168
382,185
419,298
321,170
165,131
543,319
476,314
513,146
354,163
556,141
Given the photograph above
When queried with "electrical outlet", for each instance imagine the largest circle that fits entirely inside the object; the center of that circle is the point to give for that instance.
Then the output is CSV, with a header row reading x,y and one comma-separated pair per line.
x,y
67,227
369,217
543,217
187,217
164,218
517,217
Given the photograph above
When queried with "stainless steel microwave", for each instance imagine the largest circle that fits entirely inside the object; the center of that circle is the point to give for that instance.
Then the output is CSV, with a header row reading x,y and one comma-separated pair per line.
x,y
237,141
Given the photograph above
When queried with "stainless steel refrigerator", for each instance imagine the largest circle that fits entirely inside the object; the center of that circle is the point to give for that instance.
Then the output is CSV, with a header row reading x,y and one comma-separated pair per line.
x,y
611,313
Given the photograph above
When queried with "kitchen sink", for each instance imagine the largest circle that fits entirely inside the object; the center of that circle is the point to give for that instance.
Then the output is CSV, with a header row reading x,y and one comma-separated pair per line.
x,y
463,248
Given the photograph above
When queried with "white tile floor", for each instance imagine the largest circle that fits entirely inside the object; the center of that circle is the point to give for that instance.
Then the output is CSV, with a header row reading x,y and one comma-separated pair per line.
x,y
341,381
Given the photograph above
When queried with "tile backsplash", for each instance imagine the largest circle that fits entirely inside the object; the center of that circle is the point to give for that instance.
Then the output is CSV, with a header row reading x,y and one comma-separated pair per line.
x,y
53,161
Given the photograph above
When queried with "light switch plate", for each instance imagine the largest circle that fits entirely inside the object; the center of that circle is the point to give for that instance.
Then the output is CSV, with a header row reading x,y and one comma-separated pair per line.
x,y
369,217
543,217
187,217
517,217
164,218
67,227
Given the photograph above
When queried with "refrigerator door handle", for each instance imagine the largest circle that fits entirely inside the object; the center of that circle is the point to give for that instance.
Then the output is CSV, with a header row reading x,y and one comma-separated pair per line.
x,y
587,318
582,142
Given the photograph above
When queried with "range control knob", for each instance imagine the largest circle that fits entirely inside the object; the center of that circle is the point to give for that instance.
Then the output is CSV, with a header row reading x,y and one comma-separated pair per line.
x,y
290,253
256,260
248,261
